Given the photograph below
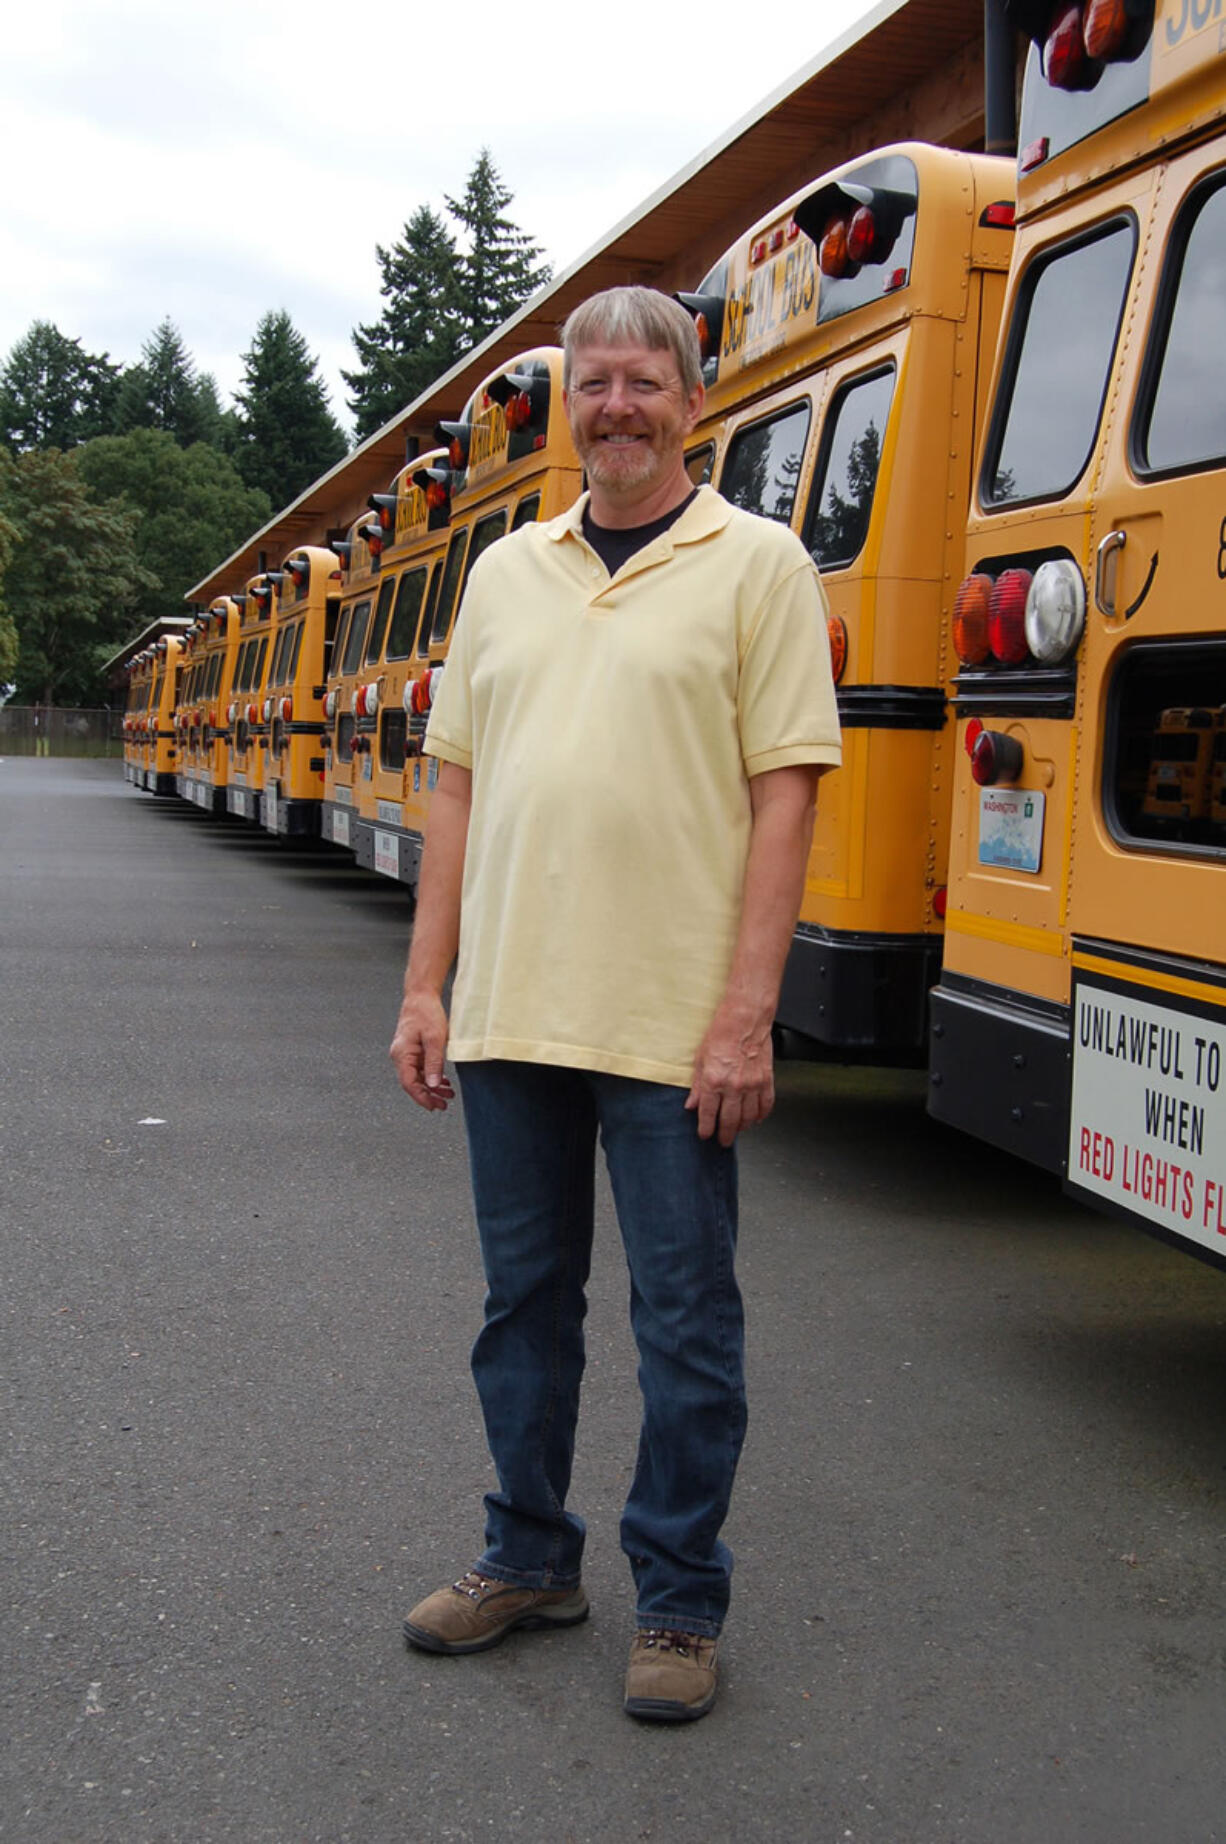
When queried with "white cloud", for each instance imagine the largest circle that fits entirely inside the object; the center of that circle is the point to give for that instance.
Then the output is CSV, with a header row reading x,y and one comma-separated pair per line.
x,y
211,166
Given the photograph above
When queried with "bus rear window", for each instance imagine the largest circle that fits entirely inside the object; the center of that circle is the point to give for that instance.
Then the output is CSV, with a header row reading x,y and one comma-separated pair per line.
x,y
1183,411
842,499
527,512
357,635
1165,762
486,531
451,582
403,631
378,626
1057,362
762,467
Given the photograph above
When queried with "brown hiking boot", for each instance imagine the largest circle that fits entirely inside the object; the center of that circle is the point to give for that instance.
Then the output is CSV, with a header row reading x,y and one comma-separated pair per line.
x,y
476,1612
671,1676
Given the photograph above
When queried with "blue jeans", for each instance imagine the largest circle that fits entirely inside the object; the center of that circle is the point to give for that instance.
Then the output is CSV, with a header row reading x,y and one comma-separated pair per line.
x,y
532,1145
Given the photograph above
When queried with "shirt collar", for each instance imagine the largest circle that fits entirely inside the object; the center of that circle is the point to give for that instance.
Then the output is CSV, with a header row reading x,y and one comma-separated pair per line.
x,y
707,512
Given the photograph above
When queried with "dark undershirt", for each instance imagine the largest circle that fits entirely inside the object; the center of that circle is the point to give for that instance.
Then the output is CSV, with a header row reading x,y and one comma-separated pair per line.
x,y
614,545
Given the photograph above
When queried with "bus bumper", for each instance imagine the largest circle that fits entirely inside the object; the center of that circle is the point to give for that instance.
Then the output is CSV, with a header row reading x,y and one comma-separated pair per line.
x,y
999,1068
865,996
388,850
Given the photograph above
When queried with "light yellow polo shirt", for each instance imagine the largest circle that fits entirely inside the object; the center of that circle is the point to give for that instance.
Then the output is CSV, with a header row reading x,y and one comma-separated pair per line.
x,y
611,726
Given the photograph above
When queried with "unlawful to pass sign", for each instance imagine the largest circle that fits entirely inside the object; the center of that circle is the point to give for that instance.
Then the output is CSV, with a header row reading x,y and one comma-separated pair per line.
x,y
1148,1120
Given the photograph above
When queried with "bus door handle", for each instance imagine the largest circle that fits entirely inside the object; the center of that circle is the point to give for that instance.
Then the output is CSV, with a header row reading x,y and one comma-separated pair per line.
x,y
1114,541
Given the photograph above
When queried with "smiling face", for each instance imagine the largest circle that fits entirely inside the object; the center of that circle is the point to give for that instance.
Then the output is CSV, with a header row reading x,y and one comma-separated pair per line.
x,y
629,415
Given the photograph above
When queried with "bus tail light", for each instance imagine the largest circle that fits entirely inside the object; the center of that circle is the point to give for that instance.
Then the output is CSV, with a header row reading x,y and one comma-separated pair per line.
x,y
331,700
1055,610
836,628
268,710
1064,54
995,757
253,714
970,624
1007,617
406,698
287,710
232,713
940,901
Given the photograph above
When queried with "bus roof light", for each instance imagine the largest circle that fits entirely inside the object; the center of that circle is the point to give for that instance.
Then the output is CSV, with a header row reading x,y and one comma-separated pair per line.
x,y
861,235
458,437
1064,54
708,314
832,257
383,505
1105,29
1007,617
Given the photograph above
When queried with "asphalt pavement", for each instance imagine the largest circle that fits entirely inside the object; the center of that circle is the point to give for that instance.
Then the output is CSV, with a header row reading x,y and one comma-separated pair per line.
x,y
979,1525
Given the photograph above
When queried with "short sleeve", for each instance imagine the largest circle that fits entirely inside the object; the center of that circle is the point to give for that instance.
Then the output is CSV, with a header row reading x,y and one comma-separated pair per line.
x,y
786,707
449,733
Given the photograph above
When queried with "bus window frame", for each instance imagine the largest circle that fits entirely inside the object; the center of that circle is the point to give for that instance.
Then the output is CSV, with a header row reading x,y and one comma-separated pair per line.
x,y
380,622
885,368
773,414
361,605
1168,650
430,608
446,604
1041,260
413,572
1166,300
522,515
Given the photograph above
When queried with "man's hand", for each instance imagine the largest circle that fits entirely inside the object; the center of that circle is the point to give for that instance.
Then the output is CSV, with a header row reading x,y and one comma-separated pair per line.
x,y
734,1075
418,1049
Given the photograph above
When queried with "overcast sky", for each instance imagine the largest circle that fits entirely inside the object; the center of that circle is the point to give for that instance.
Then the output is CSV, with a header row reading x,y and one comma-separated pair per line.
x,y
211,163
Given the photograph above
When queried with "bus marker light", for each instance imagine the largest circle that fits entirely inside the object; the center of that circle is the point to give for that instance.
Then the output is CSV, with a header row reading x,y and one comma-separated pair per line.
x,y
898,279
287,710
836,628
776,238
970,623
1055,610
940,902
1007,617
996,757
1034,154
1003,214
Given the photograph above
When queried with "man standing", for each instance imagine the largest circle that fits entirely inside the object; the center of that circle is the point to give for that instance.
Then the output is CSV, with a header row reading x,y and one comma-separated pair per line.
x,y
635,711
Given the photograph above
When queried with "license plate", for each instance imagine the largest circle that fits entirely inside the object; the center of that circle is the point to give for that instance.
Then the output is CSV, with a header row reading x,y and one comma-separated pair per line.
x,y
238,803
1011,828
340,829
387,854
270,812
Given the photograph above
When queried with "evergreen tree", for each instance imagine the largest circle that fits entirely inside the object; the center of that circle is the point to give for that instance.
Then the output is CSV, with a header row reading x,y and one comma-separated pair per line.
x,y
54,394
500,265
163,391
73,584
8,633
190,506
218,427
287,436
419,334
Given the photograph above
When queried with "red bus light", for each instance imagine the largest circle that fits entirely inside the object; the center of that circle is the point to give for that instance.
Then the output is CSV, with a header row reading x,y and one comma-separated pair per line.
x,y
1007,617
995,757
836,628
970,626
861,235
1064,55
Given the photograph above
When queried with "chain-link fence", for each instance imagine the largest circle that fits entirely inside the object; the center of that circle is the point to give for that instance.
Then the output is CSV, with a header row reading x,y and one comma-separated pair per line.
x,y
42,730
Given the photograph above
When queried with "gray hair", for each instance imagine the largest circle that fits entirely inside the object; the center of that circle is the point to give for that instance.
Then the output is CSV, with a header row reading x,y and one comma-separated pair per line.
x,y
634,317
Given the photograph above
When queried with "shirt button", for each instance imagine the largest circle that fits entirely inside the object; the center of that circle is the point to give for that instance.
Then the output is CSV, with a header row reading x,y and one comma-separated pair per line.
x,y
593,571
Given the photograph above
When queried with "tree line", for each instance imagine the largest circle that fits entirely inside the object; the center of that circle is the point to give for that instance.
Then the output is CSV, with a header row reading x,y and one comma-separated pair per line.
x,y
121,486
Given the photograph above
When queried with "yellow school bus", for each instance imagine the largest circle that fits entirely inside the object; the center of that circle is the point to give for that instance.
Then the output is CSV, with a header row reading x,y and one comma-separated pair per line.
x,y
414,516
247,742
136,714
510,461
1080,1018
307,611
203,728
157,740
1180,769
847,340
349,730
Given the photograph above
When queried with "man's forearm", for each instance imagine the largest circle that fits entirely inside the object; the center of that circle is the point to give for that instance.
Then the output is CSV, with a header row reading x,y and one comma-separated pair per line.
x,y
436,924
784,802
